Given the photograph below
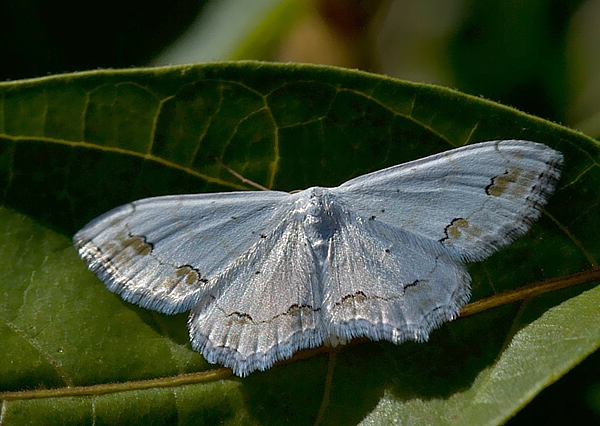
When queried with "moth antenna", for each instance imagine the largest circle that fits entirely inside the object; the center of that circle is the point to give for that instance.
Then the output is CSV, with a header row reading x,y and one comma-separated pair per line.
x,y
240,177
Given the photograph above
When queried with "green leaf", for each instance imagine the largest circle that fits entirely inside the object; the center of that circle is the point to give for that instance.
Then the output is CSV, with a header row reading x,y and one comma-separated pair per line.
x,y
74,146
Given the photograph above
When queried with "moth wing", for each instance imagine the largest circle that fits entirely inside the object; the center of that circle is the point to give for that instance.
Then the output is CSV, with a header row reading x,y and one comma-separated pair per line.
x,y
164,253
387,284
265,306
475,199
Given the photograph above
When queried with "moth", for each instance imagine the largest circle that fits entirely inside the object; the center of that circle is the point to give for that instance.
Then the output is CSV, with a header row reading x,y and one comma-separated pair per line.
x,y
267,273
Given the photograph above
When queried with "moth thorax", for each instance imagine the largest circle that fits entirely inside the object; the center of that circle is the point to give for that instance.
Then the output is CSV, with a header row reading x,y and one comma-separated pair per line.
x,y
319,222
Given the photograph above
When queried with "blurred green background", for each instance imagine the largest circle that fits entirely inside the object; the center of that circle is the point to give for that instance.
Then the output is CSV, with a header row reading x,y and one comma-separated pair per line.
x,y
540,56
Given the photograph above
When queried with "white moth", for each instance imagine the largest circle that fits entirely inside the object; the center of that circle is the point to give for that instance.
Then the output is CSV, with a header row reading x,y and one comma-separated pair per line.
x,y
267,273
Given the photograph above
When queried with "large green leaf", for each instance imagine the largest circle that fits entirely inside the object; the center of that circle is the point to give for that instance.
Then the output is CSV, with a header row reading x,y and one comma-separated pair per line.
x,y
74,146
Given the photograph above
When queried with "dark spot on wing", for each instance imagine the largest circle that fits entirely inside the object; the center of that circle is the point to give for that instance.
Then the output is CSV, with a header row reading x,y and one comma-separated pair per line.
x,y
137,243
413,284
192,275
294,309
241,317
359,296
453,230
501,183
